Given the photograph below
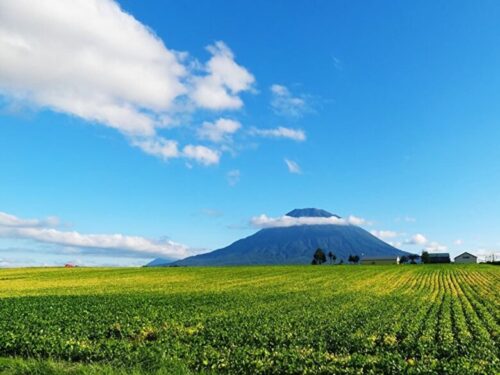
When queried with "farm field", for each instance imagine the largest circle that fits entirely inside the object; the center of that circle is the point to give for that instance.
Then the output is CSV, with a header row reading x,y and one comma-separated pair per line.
x,y
280,319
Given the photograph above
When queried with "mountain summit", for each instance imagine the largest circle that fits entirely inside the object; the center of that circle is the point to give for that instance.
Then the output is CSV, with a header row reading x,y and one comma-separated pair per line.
x,y
310,212
294,244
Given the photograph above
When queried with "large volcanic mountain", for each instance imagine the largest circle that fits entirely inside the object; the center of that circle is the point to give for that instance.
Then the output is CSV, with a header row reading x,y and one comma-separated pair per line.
x,y
294,244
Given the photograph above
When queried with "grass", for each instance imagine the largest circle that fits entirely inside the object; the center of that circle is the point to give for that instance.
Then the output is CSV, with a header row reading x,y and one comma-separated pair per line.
x,y
287,319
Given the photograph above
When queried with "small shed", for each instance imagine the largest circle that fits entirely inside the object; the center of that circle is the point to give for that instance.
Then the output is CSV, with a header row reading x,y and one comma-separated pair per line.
x,y
380,260
439,258
466,258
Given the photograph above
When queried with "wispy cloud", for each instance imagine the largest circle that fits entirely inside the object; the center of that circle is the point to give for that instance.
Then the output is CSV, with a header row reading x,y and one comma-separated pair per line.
x,y
233,177
219,131
280,132
286,104
292,166
212,212
111,242
406,219
417,239
11,221
421,240
384,234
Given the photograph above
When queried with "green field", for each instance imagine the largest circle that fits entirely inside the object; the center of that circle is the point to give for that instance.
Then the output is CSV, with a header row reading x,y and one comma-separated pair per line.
x,y
282,319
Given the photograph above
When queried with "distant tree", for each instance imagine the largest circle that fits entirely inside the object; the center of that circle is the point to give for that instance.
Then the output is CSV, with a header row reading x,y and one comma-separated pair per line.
x,y
341,261
319,256
403,259
314,262
413,258
332,257
350,259
355,259
425,256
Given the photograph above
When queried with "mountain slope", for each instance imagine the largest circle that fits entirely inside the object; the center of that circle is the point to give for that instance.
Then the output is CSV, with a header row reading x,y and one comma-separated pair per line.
x,y
295,244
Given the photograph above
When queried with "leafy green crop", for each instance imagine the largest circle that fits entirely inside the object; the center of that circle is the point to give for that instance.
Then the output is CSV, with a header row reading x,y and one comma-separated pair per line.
x,y
283,319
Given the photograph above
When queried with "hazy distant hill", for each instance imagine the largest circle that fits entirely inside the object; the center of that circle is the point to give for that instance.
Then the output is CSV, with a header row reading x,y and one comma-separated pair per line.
x,y
294,244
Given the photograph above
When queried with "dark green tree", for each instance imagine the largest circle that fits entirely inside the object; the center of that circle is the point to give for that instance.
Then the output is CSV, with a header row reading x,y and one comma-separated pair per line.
x,y
425,256
332,257
403,259
355,259
319,256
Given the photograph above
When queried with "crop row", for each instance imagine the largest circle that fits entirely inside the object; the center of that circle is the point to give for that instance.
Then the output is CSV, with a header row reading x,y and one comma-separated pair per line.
x,y
330,319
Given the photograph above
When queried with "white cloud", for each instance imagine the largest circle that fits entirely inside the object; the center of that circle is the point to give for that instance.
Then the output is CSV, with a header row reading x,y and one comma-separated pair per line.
x,y
421,240
218,131
225,79
458,242
264,221
168,149
417,239
292,166
159,147
90,59
284,103
384,234
280,132
115,242
233,177
201,154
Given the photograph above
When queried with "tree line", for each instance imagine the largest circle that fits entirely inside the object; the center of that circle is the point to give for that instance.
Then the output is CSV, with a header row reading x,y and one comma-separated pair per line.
x,y
320,257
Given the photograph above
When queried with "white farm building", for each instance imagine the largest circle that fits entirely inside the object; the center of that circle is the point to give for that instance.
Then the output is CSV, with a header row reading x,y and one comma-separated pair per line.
x,y
380,260
466,258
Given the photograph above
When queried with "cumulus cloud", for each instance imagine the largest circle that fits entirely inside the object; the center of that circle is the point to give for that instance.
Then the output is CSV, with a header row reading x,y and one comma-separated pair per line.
x,y
284,103
219,131
384,234
458,242
280,132
233,177
113,242
264,221
90,59
224,80
293,167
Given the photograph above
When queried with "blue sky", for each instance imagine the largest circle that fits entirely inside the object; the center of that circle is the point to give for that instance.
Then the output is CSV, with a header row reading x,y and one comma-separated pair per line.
x,y
162,128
